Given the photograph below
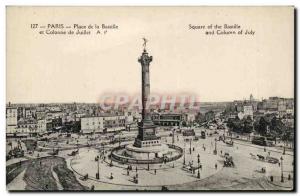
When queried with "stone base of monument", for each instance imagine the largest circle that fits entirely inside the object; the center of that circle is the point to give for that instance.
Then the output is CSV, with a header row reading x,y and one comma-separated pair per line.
x,y
146,143
152,151
152,154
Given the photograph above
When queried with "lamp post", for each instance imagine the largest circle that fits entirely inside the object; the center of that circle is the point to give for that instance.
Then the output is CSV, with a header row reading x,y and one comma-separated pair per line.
x,y
198,175
148,162
215,151
98,170
173,139
119,138
190,145
184,154
281,159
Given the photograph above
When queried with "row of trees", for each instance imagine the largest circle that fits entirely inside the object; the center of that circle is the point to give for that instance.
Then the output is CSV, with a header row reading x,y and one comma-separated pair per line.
x,y
268,125
244,125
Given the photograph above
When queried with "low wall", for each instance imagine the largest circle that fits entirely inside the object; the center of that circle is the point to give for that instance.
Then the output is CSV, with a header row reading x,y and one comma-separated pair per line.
x,y
124,159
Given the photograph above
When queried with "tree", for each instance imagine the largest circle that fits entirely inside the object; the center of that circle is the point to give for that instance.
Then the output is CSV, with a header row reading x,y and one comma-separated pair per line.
x,y
261,127
247,125
277,127
235,125
200,118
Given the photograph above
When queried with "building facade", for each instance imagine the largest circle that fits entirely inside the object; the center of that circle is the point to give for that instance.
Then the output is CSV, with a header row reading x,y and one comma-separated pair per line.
x,y
100,124
168,119
11,119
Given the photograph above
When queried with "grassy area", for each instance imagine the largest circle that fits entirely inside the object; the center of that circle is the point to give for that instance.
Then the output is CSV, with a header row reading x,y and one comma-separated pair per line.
x,y
14,170
67,178
39,176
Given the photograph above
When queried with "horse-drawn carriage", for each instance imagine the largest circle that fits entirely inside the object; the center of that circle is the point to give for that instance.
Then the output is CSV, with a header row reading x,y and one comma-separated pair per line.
x,y
273,160
73,153
190,168
268,159
229,142
54,152
260,157
228,160
85,177
15,153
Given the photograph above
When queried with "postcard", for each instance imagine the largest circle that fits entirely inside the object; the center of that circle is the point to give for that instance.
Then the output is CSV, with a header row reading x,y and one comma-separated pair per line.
x,y
182,98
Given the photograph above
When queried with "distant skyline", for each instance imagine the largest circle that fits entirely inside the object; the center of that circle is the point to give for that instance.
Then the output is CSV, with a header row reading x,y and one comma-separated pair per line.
x,y
98,102
65,69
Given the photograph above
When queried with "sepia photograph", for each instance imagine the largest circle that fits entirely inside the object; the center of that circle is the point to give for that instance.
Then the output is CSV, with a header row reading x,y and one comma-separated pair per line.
x,y
150,98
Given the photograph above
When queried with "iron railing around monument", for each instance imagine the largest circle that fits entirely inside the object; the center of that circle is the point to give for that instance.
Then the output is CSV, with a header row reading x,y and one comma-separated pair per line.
x,y
128,160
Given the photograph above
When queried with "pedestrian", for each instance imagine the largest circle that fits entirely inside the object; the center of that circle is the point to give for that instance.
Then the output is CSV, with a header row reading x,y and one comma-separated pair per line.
x,y
127,172
155,171
193,148
216,166
279,164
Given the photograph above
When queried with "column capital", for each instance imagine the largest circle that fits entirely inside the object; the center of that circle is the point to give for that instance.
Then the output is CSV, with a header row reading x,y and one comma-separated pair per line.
x,y
145,59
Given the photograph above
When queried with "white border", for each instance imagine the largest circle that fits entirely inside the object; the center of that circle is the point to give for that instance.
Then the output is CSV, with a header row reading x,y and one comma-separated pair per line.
x,y
5,3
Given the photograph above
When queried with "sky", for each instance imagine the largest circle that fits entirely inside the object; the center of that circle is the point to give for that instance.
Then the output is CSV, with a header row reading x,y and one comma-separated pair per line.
x,y
81,68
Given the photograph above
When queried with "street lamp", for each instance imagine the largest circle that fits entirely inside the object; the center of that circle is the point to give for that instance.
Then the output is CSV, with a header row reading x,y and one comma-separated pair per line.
x,y
190,145
173,139
215,151
148,162
184,153
281,159
98,171
198,175
119,138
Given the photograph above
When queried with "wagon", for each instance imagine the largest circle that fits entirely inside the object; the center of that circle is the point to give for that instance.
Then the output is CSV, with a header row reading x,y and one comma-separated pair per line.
x,y
272,160
260,157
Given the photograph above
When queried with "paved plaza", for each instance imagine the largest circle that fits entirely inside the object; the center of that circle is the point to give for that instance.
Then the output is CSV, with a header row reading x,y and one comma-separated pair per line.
x,y
245,175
